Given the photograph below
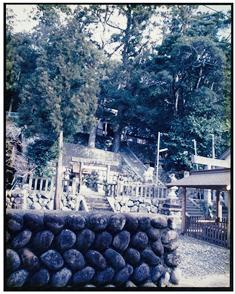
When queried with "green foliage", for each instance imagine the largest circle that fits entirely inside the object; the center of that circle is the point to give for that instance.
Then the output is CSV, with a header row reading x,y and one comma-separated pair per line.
x,y
181,86
40,153
91,180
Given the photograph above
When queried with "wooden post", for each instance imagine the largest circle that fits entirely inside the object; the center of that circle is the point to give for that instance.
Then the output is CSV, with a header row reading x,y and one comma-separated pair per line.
x,y
59,171
229,218
184,199
218,207
157,167
80,176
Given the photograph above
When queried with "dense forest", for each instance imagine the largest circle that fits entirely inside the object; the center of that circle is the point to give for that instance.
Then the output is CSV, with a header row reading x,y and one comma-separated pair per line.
x,y
162,68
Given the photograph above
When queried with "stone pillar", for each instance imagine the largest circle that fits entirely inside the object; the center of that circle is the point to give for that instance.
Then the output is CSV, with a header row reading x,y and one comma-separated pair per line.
x,y
30,183
41,183
74,186
46,185
108,173
207,197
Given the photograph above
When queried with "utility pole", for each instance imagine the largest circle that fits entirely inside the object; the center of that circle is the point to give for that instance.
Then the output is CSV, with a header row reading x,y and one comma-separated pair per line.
x,y
59,170
195,150
213,145
157,164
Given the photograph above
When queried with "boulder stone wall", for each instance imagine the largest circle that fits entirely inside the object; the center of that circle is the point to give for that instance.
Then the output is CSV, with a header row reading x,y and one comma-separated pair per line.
x,y
75,250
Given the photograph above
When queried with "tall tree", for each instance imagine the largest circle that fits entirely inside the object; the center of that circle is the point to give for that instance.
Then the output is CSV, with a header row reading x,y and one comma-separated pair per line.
x,y
61,95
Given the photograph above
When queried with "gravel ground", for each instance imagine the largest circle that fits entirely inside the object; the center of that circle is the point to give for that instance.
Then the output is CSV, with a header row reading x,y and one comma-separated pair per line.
x,y
203,264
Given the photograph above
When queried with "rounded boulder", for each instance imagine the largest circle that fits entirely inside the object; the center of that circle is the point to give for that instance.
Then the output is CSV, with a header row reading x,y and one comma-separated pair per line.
x,y
12,260
169,236
114,258
21,239
154,234
15,222
97,222
34,221
132,223
103,240
116,222
141,273
74,259
54,222
29,259
40,278
157,272
43,240
96,259
75,222
65,240
17,279
139,240
172,259
132,256
158,248
150,257
52,259
144,223
85,239
83,276
159,222
121,241
61,278
105,276
123,275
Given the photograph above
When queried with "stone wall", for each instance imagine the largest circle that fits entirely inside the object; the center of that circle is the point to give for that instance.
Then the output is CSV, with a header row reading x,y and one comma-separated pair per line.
x,y
23,199
47,250
136,204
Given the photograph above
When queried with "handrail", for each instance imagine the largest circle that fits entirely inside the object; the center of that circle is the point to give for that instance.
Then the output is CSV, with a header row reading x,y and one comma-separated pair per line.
x,y
195,203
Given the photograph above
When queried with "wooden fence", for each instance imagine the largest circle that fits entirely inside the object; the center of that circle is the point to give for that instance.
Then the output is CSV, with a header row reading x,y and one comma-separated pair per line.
x,y
208,230
137,189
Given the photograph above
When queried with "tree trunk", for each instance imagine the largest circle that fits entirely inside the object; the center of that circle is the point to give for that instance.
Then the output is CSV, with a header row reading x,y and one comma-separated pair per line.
x,y
59,170
92,137
117,140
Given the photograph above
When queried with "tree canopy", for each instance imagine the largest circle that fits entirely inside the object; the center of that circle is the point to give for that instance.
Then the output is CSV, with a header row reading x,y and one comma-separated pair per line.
x,y
63,76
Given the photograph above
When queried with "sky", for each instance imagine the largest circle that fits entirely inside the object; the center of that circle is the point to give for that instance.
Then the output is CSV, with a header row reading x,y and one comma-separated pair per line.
x,y
25,23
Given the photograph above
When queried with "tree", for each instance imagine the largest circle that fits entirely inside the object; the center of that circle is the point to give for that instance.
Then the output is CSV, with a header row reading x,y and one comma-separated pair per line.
x,y
130,40
61,95
185,87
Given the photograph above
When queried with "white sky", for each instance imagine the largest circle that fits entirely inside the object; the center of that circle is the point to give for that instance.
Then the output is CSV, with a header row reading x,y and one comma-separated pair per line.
x,y
25,23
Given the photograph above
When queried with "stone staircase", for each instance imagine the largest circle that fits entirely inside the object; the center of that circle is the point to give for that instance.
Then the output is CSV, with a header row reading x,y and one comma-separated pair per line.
x,y
192,209
133,161
97,203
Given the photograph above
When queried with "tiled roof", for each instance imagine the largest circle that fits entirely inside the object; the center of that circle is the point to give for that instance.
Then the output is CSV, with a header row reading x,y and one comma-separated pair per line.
x,y
205,179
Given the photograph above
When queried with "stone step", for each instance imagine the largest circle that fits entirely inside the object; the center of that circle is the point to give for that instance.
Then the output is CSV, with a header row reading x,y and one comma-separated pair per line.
x,y
97,203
